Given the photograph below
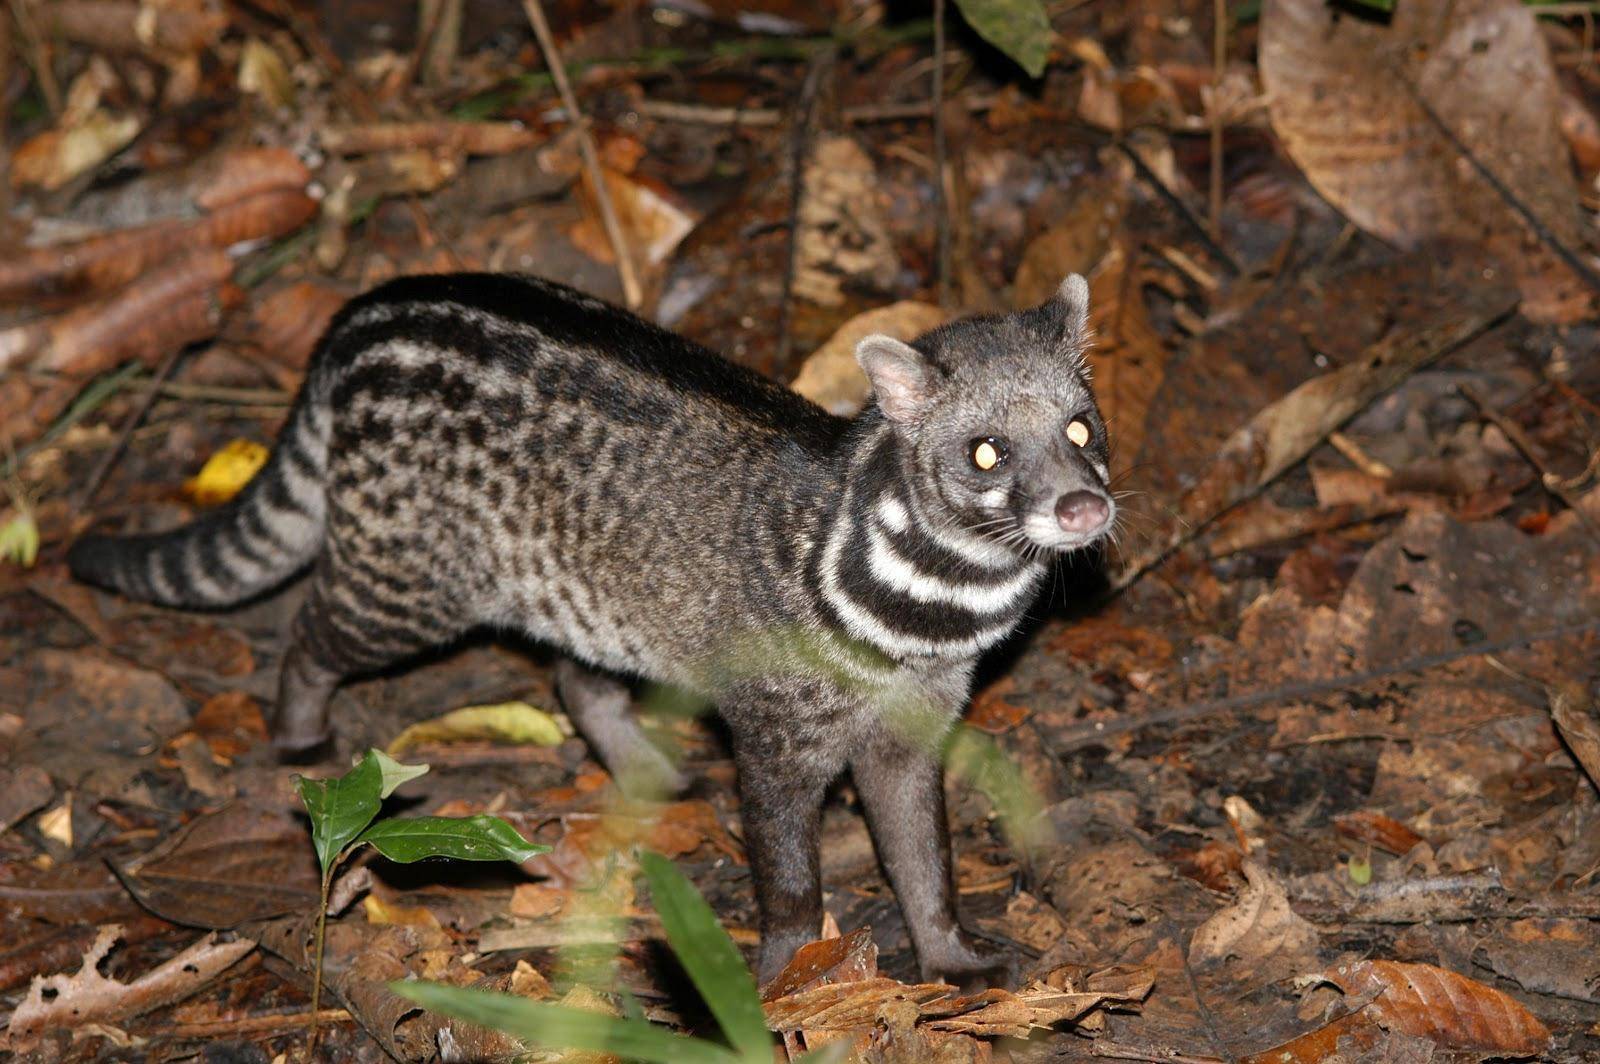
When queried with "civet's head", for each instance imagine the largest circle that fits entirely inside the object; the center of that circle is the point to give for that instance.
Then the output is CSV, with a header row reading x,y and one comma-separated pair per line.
x,y
1000,427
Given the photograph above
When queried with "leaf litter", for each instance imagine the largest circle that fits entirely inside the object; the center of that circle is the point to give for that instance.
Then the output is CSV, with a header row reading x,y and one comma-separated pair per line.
x,y
1318,780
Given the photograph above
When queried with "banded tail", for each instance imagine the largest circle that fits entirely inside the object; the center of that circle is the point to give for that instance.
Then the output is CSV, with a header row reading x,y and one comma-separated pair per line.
x,y
256,541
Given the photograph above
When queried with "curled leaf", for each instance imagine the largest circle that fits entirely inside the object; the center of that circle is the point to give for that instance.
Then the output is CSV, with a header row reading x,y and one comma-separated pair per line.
x,y
226,472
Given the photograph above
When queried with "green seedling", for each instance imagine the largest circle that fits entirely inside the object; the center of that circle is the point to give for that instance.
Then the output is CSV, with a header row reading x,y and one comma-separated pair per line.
x,y
704,950
342,812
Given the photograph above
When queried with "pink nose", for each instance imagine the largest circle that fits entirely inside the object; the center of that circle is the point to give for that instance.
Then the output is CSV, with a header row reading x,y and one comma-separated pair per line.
x,y
1081,511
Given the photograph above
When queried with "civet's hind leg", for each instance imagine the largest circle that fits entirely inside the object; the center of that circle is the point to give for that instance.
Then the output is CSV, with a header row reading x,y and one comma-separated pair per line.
x,y
601,709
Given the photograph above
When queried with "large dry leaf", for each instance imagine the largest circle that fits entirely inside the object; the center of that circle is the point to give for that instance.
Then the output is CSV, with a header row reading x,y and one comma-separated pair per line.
x,y
1259,932
1283,433
1449,1009
842,237
1341,92
63,1000
831,377
1578,719
243,862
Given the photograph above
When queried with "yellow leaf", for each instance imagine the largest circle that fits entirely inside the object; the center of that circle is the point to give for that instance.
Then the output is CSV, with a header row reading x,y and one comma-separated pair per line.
x,y
508,722
383,912
19,540
226,473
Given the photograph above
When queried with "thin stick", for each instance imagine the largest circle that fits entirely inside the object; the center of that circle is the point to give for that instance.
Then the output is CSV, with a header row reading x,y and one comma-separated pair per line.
x,y
109,459
799,151
941,206
1173,200
1546,237
1219,49
631,291
1099,731
1519,439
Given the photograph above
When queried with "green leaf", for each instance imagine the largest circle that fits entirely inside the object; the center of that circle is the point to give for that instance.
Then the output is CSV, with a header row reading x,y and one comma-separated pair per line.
x,y
710,957
564,1027
1019,28
19,539
471,838
394,773
341,807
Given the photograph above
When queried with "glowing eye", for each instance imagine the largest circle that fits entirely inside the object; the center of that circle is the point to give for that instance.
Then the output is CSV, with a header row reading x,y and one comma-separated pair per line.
x,y
987,453
1079,432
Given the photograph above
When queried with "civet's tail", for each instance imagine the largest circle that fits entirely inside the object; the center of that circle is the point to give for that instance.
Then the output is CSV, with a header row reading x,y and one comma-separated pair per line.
x,y
259,539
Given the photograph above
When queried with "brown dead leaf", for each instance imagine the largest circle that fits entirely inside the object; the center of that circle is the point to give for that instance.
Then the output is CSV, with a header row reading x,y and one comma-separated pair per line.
x,y
1128,358
50,159
469,138
1259,932
1449,1009
22,790
990,712
129,26
243,862
1384,832
1341,98
285,326
1077,243
842,235
1578,720
832,378
1549,956
1285,431
230,723
62,1000
847,959
535,901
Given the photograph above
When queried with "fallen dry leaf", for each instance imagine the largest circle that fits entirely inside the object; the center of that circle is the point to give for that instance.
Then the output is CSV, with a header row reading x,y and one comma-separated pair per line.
x,y
1578,720
842,234
1434,1003
1384,832
1285,431
831,376
1341,98
1259,932
62,1000
506,722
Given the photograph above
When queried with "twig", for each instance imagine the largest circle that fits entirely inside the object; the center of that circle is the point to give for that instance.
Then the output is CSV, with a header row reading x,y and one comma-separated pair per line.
x,y
109,459
1519,439
1267,446
1155,1054
38,57
1539,229
1099,731
591,161
1206,1015
941,205
1187,216
799,151
286,1021
1358,457
1219,50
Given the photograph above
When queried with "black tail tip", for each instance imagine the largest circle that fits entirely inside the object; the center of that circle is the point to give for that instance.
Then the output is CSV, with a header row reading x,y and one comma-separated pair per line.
x,y
92,560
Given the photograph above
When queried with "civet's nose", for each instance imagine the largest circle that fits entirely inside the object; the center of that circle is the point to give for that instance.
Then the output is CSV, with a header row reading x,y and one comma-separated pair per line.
x,y
1081,511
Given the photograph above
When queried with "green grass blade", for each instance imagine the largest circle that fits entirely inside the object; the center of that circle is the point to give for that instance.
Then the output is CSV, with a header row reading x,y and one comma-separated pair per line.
x,y
710,957
471,838
563,1027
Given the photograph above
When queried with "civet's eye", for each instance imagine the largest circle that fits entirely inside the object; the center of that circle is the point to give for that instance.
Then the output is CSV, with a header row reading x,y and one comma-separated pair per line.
x,y
1079,432
987,452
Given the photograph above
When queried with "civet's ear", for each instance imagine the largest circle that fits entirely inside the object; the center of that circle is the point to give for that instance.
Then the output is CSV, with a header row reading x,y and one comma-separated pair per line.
x,y
901,378
1070,305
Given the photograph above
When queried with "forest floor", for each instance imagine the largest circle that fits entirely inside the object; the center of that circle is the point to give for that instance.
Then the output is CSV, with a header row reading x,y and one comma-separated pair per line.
x,y
1304,769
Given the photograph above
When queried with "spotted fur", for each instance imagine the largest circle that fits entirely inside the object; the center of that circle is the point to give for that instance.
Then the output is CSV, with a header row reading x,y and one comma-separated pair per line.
x,y
479,449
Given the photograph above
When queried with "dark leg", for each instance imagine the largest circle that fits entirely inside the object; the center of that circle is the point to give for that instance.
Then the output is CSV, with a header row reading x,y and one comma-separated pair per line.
x,y
300,724
902,790
601,708
785,764
345,627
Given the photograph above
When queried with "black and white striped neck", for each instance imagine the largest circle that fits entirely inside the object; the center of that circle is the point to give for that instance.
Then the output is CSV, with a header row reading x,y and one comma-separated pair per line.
x,y
894,577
